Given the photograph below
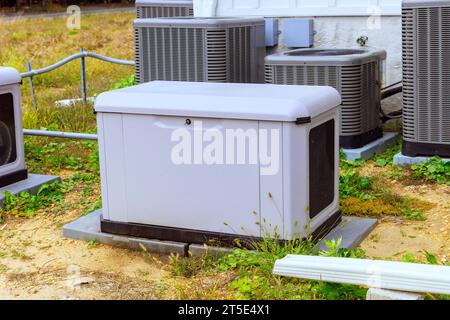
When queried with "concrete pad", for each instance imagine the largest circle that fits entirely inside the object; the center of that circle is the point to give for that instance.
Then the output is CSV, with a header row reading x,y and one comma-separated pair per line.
x,y
383,294
402,160
370,150
87,228
30,185
352,231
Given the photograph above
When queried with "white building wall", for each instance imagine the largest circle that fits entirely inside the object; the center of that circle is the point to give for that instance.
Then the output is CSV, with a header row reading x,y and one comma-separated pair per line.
x,y
338,23
304,7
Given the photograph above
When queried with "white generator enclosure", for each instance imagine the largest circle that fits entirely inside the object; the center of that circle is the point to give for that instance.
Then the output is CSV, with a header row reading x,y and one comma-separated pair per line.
x,y
12,159
199,162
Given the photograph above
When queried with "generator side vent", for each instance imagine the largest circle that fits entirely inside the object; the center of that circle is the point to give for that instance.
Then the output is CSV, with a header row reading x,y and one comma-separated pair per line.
x,y
8,151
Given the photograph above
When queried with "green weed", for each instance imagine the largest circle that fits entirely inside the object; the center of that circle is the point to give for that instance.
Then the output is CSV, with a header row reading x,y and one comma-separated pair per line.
x,y
97,205
254,278
414,215
191,266
386,158
435,170
352,184
125,82
92,244
26,205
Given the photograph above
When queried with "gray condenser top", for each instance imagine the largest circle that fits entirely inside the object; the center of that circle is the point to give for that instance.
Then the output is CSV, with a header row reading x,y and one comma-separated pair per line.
x,y
425,3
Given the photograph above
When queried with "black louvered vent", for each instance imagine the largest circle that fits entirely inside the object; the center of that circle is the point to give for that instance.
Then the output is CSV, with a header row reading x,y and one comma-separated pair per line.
x,y
8,151
321,167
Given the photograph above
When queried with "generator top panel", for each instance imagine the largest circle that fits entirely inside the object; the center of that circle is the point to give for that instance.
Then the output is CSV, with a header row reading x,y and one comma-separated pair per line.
x,y
327,56
220,100
193,22
425,3
9,76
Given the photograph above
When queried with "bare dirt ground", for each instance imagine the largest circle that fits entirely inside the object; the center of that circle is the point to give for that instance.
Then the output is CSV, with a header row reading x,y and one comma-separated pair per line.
x,y
394,237
36,262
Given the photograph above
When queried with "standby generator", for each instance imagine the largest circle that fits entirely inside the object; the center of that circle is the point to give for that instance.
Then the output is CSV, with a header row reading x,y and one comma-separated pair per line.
x,y
197,162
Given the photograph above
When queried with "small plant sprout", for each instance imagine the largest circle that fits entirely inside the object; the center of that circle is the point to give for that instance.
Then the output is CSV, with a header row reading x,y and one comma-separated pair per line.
x,y
362,41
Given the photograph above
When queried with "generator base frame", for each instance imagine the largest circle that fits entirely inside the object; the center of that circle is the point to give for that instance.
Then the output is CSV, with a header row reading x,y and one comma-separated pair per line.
x,y
202,237
13,177
415,149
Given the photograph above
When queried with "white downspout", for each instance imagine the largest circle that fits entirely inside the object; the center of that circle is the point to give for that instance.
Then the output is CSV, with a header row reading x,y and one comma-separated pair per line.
x,y
205,8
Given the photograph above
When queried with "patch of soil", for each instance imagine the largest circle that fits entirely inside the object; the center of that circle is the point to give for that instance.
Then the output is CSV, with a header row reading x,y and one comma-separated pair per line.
x,y
394,237
38,263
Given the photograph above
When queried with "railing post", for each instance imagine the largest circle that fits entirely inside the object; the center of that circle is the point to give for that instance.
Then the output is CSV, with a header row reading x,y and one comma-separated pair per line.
x,y
83,76
30,81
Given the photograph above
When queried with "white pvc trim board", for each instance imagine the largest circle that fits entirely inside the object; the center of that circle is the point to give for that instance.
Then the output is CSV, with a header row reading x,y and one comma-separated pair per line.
x,y
391,275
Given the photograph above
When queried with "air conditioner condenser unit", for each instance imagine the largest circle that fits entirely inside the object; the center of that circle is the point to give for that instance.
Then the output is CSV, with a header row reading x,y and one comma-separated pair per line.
x,y
356,73
426,78
163,8
198,162
12,158
200,49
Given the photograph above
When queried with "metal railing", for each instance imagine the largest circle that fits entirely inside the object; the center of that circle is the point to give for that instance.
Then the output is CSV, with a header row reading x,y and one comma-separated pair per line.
x,y
82,56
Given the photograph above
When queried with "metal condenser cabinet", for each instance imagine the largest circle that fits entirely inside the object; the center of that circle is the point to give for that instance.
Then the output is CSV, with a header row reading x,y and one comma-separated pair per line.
x,y
426,77
356,73
163,8
193,162
218,49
